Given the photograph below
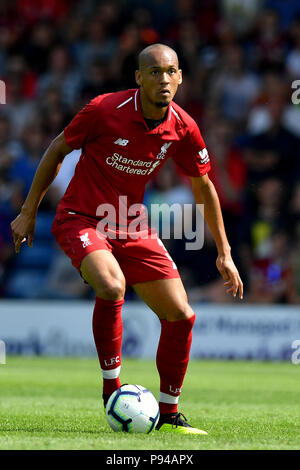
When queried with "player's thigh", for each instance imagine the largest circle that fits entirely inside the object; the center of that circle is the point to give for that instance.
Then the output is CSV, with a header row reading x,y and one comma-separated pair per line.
x,y
166,297
102,271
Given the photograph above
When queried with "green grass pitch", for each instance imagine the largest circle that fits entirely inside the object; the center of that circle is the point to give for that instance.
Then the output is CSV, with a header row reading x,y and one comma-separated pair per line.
x,y
51,403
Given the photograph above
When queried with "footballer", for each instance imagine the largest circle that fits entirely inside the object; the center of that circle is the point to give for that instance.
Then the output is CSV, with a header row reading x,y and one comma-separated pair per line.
x,y
125,138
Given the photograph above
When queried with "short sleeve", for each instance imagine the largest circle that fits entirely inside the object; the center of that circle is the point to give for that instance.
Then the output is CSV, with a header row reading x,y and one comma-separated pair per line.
x,y
86,125
192,156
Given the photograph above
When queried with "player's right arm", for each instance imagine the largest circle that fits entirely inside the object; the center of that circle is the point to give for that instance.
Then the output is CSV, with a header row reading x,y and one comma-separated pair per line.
x,y
24,224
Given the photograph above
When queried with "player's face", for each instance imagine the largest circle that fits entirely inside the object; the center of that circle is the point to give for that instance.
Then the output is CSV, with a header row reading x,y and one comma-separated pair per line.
x,y
159,78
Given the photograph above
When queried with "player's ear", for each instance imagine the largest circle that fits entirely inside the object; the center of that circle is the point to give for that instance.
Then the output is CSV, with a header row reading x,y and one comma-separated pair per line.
x,y
138,77
180,77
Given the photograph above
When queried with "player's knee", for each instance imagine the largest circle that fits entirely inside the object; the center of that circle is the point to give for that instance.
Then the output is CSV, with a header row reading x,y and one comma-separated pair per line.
x,y
112,289
183,311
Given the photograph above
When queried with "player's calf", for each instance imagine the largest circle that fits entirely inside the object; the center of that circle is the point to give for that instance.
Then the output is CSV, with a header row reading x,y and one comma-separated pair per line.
x,y
107,330
172,360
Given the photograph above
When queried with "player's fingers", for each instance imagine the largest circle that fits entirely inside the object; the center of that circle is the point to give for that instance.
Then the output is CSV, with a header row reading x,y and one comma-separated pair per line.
x,y
18,243
236,286
241,288
235,278
233,284
30,239
229,290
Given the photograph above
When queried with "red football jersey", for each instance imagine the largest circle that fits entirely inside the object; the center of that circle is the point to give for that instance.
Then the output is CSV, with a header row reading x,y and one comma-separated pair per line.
x,y
120,154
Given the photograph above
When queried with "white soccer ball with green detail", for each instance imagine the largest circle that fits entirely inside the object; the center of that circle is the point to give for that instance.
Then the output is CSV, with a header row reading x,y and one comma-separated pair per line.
x,y
132,408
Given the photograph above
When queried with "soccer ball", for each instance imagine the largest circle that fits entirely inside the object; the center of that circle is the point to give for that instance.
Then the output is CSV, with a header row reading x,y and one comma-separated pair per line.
x,y
132,408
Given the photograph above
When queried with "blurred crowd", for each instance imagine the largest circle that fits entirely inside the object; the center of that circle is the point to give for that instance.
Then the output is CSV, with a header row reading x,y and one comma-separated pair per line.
x,y
240,59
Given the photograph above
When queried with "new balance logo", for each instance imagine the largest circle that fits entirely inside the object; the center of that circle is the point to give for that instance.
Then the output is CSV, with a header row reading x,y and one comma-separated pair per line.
x,y
203,154
122,142
85,240
163,150
112,361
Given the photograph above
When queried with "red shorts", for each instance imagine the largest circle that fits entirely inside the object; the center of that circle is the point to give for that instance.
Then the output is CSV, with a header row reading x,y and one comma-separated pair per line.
x,y
141,259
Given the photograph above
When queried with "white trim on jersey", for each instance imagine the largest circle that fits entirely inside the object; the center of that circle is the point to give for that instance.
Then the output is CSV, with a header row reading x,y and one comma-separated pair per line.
x,y
135,103
112,373
122,104
166,398
174,112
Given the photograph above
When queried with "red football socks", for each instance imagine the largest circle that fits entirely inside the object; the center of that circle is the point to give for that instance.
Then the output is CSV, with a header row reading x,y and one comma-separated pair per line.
x,y
172,361
107,330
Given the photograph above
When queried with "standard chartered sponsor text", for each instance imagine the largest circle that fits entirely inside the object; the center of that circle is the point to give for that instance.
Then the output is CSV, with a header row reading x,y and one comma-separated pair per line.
x,y
130,166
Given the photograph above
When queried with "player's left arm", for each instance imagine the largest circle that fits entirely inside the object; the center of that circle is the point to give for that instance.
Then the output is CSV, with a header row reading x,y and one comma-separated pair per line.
x,y
205,193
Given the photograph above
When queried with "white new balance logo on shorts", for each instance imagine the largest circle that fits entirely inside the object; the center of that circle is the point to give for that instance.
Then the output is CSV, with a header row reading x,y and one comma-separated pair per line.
x,y
85,240
122,142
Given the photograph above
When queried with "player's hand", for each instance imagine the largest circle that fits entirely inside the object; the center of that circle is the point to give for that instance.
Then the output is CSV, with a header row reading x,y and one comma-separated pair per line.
x,y
23,226
230,275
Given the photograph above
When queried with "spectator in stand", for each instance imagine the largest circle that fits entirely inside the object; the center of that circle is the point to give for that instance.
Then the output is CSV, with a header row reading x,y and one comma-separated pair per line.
x,y
188,46
38,47
294,210
293,58
96,43
287,10
294,284
8,145
11,30
271,279
51,99
228,168
264,217
23,170
20,107
11,191
18,68
63,282
275,87
269,48
142,18
241,15
124,60
276,150
294,229
6,250
97,81
163,12
233,87
229,175
11,199
54,119
32,11
204,285
61,74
